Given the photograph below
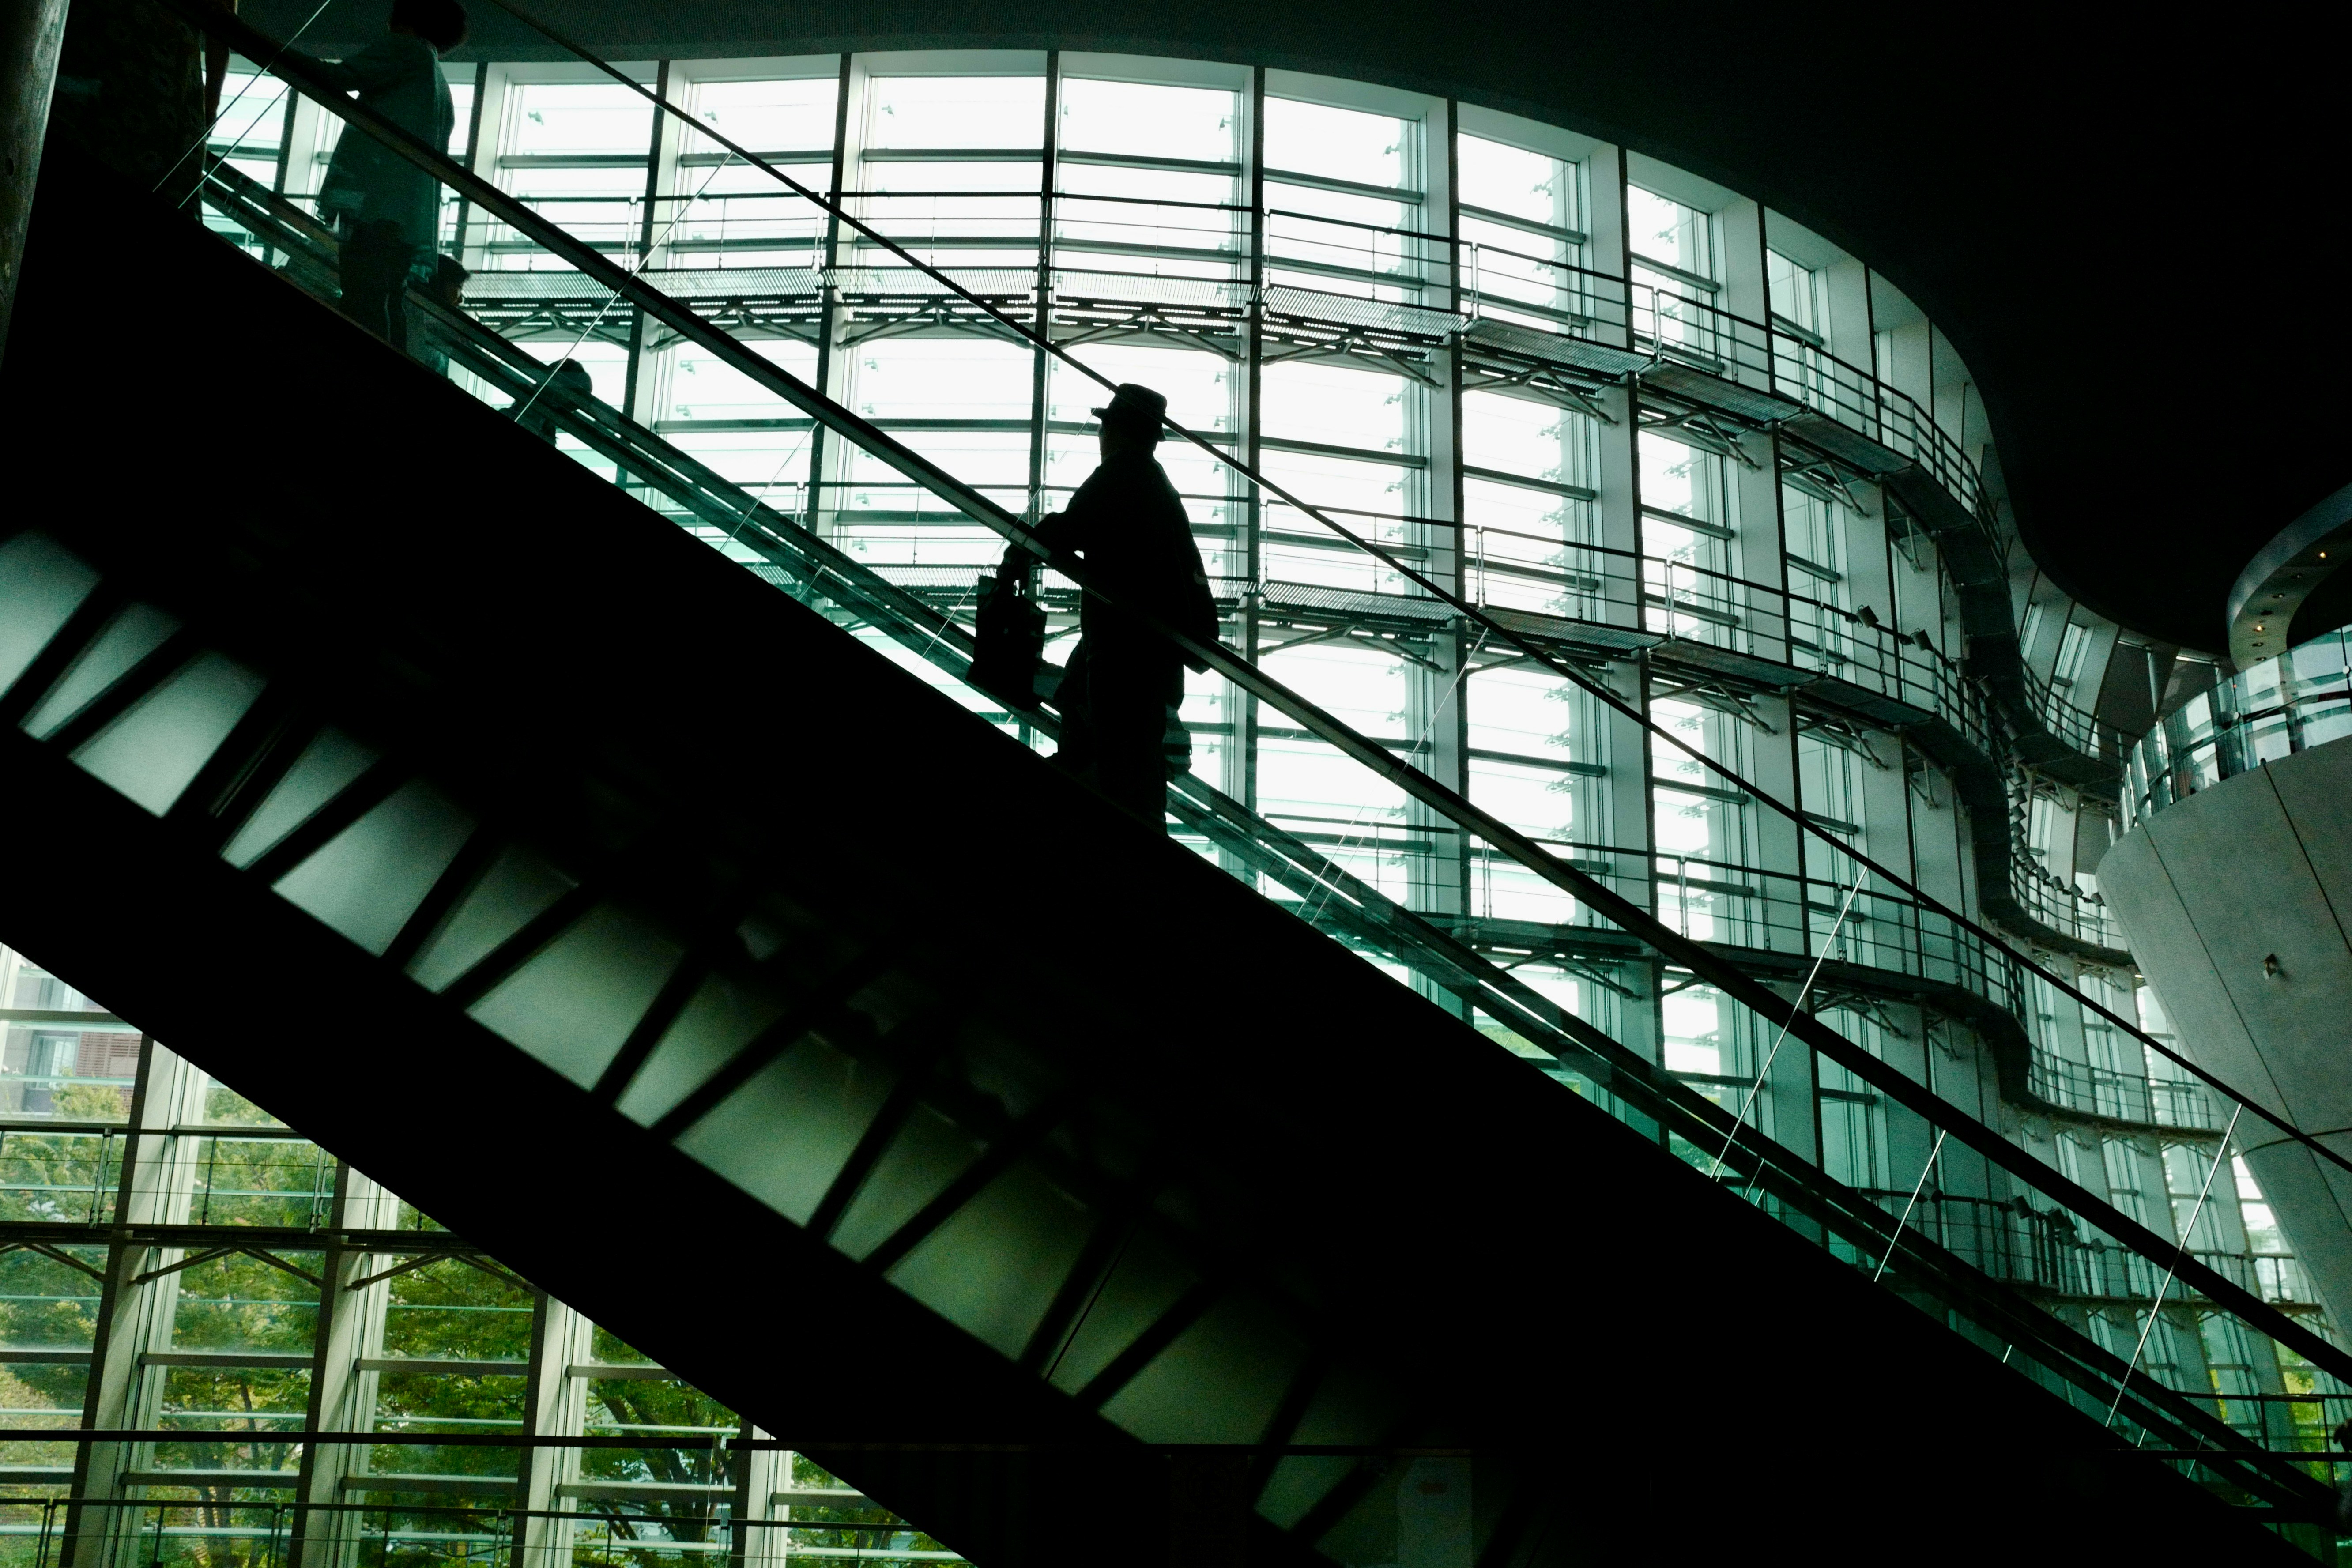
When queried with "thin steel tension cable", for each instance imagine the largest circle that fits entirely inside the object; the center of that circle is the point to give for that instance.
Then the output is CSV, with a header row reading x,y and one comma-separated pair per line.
x,y
1935,1149
2180,1250
1043,339
644,259
1436,710
261,68
1829,938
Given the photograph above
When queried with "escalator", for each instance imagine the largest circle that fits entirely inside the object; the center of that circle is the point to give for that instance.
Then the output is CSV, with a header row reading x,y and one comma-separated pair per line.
x,y
762,953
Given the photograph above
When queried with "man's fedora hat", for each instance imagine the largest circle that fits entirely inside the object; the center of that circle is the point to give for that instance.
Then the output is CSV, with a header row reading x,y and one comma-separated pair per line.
x,y
1133,407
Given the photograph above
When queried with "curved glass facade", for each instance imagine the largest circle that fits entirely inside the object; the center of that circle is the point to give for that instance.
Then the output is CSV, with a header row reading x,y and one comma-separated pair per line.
x,y
2300,700
1672,436
1664,434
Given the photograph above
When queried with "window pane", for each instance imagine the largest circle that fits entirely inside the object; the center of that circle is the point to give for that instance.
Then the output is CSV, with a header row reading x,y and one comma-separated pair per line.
x,y
909,112
793,115
579,118
1515,181
1153,121
1339,143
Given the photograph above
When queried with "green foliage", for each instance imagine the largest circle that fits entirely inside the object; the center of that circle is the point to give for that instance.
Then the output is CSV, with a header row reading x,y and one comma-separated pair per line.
x,y
58,1177
444,1402
286,1183
89,1103
46,1304
450,1311
225,1107
658,1408
868,1529
605,1346
241,1303
268,1401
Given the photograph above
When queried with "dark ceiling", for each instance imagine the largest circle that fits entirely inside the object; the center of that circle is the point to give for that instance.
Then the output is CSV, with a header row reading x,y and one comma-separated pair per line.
x,y
2130,222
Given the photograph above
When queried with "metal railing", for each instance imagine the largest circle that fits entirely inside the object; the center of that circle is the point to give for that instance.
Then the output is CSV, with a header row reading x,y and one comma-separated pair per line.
x,y
2082,731
2120,1095
235,1527
2300,700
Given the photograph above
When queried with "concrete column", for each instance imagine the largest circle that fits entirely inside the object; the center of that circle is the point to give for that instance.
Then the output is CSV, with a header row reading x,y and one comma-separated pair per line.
x,y
1739,228
555,1406
1846,322
31,31
134,1313
759,1474
342,1397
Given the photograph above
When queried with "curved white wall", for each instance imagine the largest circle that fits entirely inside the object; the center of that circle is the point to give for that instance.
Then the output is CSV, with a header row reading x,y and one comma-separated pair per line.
x,y
2256,869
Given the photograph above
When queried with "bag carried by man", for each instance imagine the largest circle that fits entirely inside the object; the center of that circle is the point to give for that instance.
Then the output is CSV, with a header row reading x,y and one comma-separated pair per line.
x,y
1009,641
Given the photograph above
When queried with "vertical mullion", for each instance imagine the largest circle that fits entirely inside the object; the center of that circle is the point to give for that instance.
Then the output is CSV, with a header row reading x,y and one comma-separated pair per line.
x,y
828,306
334,1351
473,146
1455,894
1245,711
1040,363
657,173
1435,879
473,251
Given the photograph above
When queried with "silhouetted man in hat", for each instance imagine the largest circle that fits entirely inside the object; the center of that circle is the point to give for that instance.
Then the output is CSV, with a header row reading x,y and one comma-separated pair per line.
x,y
1124,681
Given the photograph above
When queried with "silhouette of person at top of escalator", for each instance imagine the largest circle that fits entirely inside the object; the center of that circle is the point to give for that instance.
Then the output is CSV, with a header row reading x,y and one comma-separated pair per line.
x,y
387,211
1120,690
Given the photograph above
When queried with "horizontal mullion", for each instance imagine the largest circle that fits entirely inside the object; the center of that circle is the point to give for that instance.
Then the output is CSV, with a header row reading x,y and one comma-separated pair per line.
x,y
1805,335
1342,187
572,161
1555,764
1025,240
1696,525
693,426
981,424
1696,280
1522,481
1139,161
949,155
1358,453
1064,242
805,156
1525,225
812,242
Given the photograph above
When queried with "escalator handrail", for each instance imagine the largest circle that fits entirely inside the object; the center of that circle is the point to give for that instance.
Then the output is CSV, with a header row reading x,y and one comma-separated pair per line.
x,y
1677,949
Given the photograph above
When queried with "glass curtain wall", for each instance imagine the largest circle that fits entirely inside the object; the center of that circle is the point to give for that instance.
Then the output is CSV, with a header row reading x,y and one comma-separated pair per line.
x,y
255,1336
1322,276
